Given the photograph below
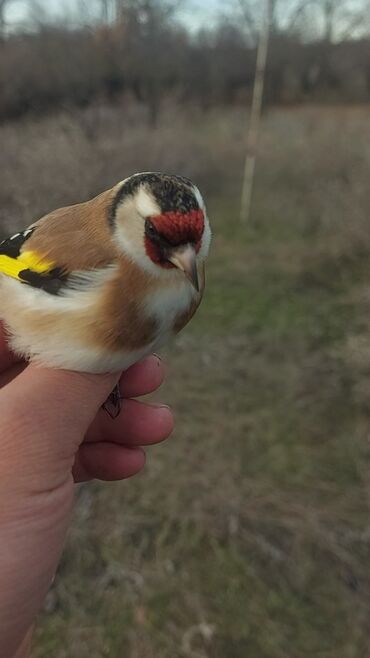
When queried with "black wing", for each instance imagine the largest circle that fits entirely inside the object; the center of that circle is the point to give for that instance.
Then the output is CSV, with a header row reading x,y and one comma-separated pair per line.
x,y
50,279
12,246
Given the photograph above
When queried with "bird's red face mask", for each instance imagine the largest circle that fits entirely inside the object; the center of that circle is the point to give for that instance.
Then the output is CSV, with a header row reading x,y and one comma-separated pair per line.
x,y
173,239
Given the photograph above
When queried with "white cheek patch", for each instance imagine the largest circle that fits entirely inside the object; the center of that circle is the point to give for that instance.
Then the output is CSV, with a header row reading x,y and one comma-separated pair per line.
x,y
207,233
206,240
199,198
145,203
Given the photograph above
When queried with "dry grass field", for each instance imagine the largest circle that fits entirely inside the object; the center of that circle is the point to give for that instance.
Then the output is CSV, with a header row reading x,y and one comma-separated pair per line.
x,y
248,533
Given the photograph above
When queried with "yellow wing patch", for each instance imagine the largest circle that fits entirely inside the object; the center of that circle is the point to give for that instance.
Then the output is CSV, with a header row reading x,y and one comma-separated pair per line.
x,y
27,260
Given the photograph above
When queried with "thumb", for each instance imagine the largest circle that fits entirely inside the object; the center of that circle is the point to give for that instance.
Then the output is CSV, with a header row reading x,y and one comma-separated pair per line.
x,y
61,394
53,407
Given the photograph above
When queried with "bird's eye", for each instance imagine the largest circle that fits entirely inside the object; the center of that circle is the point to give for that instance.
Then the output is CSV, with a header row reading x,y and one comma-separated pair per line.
x,y
150,230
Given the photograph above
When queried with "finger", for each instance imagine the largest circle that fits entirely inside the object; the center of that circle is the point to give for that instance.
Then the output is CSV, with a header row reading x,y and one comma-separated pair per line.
x,y
7,357
138,424
142,378
107,461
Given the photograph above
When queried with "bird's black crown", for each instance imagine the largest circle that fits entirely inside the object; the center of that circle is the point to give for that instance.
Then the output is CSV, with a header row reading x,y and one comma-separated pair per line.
x,y
172,193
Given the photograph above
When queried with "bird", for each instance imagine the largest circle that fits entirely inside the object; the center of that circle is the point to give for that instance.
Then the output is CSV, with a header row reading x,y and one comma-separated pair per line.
x,y
95,287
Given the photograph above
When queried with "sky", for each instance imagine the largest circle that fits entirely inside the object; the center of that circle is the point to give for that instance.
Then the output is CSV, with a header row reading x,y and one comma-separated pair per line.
x,y
201,13
195,14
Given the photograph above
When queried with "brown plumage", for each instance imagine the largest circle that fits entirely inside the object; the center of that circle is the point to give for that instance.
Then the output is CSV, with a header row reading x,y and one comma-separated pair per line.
x,y
75,237
98,285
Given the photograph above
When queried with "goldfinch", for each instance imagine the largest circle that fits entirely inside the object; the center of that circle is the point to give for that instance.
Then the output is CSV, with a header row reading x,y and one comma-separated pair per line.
x,y
96,286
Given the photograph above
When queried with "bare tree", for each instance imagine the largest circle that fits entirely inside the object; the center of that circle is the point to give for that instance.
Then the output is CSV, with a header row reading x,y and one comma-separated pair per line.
x,y
329,14
281,13
146,10
339,20
343,18
146,31
3,6
2,17
104,10
334,19
250,20
37,17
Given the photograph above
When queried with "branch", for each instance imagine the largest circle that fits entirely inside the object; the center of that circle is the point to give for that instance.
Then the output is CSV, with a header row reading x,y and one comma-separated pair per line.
x,y
248,18
362,18
298,12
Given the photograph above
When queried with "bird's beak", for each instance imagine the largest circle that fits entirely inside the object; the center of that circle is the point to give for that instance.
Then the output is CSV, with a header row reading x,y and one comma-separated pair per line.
x,y
184,259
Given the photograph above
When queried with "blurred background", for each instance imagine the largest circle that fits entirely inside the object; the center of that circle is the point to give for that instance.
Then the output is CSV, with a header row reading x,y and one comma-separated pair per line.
x,y
248,533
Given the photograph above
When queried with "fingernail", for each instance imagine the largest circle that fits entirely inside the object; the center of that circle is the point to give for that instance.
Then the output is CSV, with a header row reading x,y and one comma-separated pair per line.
x,y
158,358
161,406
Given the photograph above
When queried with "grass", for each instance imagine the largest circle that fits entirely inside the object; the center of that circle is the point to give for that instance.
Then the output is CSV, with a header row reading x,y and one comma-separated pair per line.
x,y
248,532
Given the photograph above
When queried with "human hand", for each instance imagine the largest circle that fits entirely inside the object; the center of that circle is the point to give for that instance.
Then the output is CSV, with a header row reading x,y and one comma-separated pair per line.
x,y
53,432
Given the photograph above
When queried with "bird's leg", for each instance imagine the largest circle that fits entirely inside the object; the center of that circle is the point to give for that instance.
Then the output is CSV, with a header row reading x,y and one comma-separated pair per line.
x,y
113,404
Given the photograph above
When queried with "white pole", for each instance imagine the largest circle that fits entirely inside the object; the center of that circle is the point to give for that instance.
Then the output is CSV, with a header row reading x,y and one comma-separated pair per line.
x,y
255,114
